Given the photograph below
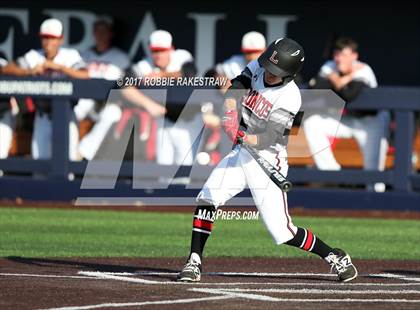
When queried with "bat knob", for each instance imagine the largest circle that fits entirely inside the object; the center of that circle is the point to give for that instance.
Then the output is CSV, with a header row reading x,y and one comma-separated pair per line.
x,y
286,186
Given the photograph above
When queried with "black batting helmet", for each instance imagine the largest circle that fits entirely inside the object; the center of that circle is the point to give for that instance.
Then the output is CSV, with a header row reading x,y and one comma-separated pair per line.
x,y
284,58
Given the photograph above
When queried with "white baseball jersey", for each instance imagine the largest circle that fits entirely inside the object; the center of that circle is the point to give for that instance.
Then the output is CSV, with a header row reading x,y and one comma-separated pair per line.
x,y
109,65
42,133
232,66
68,57
264,103
177,59
6,131
263,106
174,142
365,74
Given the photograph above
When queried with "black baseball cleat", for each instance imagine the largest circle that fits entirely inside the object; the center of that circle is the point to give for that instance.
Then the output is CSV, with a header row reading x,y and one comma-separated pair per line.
x,y
341,264
191,271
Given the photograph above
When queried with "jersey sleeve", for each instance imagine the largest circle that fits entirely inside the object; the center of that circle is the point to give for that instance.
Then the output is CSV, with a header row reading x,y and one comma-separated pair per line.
x,y
280,120
183,56
76,61
231,67
278,128
240,86
246,75
251,69
29,60
366,76
142,68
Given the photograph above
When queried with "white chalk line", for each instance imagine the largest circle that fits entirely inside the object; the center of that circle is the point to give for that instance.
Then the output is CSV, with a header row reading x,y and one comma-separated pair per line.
x,y
145,303
261,274
319,291
112,276
300,300
233,294
129,278
228,294
243,274
250,294
395,276
102,275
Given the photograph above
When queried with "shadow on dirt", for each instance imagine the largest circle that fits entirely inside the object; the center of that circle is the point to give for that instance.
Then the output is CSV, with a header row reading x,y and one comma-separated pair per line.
x,y
89,266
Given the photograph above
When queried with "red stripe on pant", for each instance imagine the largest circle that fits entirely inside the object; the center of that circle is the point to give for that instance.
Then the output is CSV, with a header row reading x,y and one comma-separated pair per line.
x,y
197,223
309,240
287,216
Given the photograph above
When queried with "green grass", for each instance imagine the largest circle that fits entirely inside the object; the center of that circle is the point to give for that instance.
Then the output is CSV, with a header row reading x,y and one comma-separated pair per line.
x,y
86,233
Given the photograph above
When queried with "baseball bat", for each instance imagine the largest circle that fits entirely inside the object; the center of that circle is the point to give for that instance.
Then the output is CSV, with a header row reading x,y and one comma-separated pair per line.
x,y
275,175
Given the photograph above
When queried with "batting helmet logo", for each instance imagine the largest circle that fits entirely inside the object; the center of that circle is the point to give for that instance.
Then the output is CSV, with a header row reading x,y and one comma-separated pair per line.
x,y
272,59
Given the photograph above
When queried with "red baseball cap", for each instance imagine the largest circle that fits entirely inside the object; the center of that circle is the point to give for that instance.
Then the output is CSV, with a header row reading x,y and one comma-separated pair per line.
x,y
160,40
253,42
51,28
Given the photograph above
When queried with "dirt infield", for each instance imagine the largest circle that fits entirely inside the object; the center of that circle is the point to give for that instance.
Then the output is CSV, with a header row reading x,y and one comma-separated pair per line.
x,y
239,283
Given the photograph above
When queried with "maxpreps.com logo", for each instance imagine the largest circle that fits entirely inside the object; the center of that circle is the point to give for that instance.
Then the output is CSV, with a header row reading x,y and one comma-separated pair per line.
x,y
220,214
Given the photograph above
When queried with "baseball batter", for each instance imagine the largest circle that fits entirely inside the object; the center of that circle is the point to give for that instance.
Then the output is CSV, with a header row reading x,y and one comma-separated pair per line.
x,y
259,110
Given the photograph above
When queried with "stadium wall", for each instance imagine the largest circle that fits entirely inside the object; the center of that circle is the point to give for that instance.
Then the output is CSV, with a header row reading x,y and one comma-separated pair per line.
x,y
212,30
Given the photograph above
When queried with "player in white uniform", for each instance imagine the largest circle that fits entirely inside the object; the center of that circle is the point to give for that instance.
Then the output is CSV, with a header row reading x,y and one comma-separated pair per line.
x,y
348,76
174,139
266,99
253,44
52,61
103,61
6,121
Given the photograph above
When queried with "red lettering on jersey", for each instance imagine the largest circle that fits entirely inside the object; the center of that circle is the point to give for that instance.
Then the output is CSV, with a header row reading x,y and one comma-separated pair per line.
x,y
257,103
253,102
250,99
266,111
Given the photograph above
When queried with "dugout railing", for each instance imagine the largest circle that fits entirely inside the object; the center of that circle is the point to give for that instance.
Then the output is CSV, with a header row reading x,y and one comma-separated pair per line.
x,y
48,179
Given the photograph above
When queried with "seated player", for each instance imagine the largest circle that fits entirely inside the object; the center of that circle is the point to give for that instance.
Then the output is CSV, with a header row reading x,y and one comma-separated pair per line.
x,y
50,61
253,44
259,110
175,132
6,120
347,76
103,61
